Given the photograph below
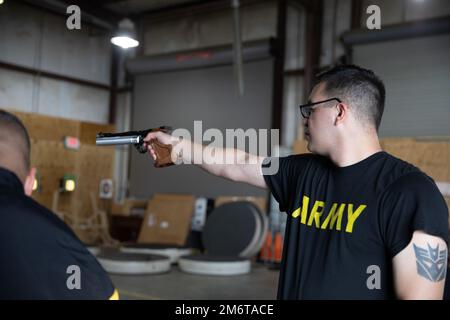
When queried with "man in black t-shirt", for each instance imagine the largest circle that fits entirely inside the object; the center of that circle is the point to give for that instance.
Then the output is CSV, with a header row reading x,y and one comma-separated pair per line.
x,y
40,256
361,224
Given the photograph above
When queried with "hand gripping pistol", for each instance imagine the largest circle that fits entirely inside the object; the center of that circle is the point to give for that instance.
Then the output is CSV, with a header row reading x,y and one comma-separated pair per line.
x,y
136,138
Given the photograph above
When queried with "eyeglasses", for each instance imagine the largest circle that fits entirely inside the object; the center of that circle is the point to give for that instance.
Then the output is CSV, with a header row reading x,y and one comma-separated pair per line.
x,y
306,109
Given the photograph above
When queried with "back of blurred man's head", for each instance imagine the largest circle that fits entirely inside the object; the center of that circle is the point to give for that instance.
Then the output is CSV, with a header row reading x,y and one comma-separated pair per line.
x,y
14,146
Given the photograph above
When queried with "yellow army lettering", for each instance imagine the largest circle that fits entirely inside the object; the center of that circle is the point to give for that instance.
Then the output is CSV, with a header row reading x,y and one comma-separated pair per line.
x,y
333,219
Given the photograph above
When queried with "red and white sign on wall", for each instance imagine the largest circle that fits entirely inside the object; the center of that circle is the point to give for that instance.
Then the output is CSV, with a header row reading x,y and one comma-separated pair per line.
x,y
106,189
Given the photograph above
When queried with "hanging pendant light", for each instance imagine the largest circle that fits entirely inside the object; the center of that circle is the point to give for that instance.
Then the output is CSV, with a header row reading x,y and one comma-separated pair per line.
x,y
125,36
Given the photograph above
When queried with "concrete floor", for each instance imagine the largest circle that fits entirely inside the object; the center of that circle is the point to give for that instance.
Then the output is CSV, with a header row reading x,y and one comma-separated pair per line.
x,y
260,283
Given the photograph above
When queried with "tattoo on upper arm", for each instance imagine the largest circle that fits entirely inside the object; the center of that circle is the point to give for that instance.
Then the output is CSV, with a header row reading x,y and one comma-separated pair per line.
x,y
431,262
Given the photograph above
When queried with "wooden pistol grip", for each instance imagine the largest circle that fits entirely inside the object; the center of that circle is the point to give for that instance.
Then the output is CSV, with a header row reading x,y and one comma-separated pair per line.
x,y
163,153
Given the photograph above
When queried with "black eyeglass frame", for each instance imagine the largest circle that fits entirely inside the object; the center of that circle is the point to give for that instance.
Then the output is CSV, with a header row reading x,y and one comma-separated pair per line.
x,y
311,104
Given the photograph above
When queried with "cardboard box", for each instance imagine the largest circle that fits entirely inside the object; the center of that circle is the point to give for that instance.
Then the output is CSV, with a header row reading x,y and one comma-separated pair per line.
x,y
168,219
260,202
299,147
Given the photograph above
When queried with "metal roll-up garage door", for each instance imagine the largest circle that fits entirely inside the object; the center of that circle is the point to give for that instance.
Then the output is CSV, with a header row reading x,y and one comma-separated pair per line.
x,y
416,73
177,98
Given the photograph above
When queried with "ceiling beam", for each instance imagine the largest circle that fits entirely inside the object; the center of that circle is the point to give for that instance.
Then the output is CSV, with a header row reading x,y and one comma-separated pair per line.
x,y
193,8
96,8
91,15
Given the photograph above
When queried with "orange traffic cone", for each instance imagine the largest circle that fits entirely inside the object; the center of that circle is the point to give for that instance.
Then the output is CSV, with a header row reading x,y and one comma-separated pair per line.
x,y
278,247
266,253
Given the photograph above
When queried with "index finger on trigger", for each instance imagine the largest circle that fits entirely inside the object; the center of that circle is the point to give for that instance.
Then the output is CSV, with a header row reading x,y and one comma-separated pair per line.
x,y
150,136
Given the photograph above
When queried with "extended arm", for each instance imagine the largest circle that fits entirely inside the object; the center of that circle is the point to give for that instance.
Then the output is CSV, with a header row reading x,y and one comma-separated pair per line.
x,y
228,163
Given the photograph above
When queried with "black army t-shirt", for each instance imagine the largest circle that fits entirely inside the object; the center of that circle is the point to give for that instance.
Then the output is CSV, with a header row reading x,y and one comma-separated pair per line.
x,y
345,223
40,256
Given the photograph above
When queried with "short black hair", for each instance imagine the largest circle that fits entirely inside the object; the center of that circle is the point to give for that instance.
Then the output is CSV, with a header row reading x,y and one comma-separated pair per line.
x,y
12,129
359,87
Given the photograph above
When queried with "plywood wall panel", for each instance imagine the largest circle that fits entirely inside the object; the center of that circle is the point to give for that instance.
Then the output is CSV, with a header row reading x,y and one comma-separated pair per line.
x,y
89,163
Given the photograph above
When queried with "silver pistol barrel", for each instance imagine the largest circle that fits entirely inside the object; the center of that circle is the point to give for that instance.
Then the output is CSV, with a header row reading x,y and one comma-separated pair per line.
x,y
109,141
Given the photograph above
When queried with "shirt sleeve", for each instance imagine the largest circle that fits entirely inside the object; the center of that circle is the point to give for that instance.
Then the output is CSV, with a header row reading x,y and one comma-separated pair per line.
x,y
412,203
281,183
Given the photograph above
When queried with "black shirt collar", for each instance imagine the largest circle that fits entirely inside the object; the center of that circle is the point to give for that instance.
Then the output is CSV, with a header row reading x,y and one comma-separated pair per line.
x,y
361,165
9,179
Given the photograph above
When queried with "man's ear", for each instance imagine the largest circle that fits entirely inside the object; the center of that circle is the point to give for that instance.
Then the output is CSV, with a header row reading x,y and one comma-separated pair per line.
x,y
29,181
342,111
